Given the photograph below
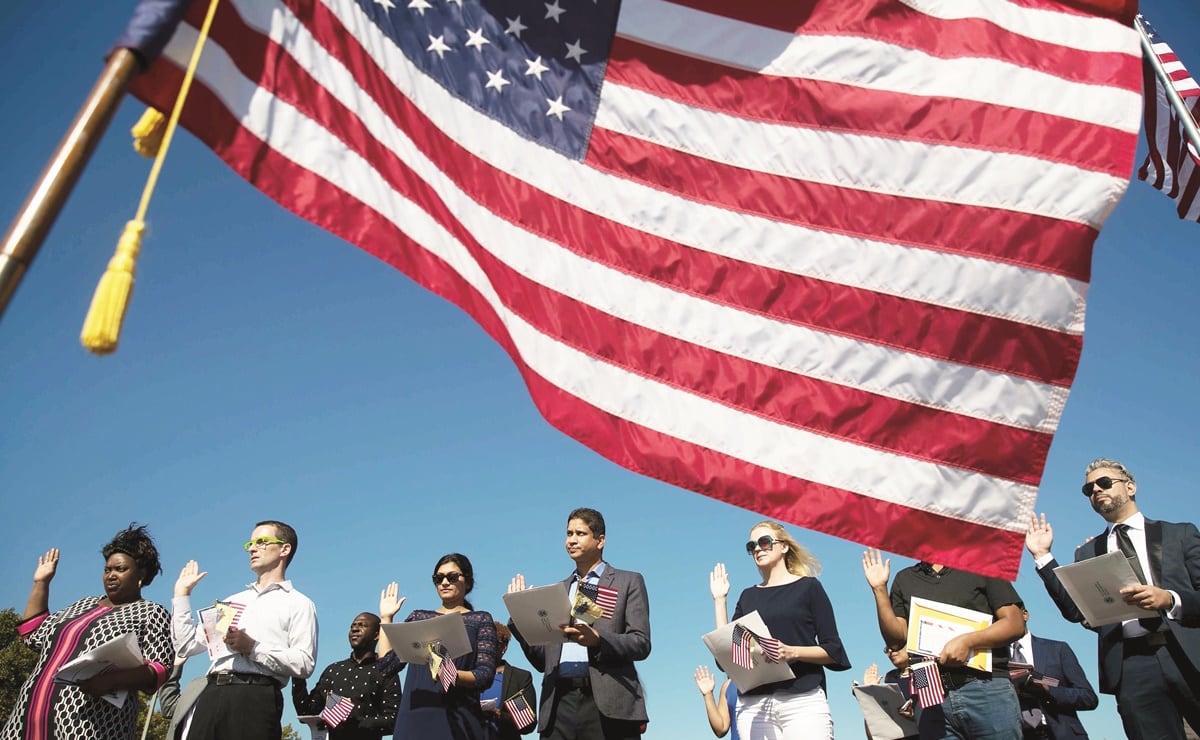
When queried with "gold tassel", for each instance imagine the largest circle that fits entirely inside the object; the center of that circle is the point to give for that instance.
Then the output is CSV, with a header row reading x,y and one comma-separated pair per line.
x,y
148,133
102,327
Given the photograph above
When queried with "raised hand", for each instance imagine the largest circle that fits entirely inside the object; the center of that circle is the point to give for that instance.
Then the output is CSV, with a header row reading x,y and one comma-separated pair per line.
x,y
718,582
517,584
46,567
876,568
390,602
705,681
871,675
1040,536
189,576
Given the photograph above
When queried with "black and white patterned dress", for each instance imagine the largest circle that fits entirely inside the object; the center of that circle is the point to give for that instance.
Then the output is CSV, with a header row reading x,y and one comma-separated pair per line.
x,y
46,710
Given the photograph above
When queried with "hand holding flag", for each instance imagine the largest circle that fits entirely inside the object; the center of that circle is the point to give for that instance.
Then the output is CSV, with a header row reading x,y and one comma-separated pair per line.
x,y
441,667
337,710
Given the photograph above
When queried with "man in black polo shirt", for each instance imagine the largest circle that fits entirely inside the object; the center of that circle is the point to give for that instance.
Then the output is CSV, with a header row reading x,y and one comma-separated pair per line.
x,y
977,705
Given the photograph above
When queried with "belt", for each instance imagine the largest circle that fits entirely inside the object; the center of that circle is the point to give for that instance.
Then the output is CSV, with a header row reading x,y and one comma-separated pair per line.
x,y
229,678
1145,644
956,679
574,682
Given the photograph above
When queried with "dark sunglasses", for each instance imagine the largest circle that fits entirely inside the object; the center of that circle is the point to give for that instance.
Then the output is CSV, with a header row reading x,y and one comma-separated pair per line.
x,y
450,577
1104,482
762,543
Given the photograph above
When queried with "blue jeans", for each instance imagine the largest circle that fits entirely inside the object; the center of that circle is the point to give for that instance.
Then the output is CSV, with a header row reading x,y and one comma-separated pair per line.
x,y
980,709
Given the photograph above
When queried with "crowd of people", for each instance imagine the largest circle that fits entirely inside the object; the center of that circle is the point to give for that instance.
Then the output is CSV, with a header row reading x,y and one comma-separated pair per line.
x,y
590,688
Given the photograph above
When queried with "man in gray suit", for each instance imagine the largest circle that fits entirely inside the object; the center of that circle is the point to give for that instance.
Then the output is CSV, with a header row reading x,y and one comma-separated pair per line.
x,y
590,686
1151,664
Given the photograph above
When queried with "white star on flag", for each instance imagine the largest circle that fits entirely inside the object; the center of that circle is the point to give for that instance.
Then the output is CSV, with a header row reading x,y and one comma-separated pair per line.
x,y
496,80
553,10
476,39
387,4
420,6
438,46
515,26
535,67
556,107
576,51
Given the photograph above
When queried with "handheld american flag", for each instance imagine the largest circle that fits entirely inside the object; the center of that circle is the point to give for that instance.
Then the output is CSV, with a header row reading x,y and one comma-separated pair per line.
x,y
770,252
1173,164
927,684
603,597
337,709
520,711
743,640
447,671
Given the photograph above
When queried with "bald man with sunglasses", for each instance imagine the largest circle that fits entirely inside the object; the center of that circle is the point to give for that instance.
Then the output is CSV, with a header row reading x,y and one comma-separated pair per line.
x,y
1152,665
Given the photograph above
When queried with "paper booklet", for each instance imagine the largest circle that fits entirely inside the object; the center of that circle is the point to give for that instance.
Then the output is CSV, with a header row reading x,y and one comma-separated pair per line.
x,y
1095,586
539,613
932,624
411,640
720,643
116,654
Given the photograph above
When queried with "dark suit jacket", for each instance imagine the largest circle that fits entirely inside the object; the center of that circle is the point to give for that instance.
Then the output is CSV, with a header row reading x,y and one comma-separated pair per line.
x,y
1174,552
624,639
516,681
1073,693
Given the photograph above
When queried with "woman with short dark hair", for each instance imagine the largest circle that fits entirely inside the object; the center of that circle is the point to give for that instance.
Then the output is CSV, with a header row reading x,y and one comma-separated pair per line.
x,y
45,709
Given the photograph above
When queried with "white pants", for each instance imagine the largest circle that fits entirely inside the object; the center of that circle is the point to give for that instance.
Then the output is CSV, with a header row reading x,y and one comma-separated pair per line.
x,y
784,716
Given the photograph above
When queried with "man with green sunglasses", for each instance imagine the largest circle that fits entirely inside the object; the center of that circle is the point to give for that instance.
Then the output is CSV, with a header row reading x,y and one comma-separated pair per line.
x,y
269,637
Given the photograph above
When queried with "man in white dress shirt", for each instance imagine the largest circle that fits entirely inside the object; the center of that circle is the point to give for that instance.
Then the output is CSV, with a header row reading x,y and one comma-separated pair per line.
x,y
1152,665
272,638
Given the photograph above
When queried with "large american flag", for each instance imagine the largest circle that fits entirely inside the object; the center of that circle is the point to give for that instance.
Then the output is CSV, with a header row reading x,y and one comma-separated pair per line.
x,y
1173,163
826,261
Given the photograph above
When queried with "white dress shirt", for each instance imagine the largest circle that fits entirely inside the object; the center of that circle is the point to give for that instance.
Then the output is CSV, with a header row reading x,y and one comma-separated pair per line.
x,y
282,621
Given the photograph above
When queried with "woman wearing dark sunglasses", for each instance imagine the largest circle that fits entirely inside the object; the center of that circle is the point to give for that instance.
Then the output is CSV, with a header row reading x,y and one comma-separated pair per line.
x,y
426,711
797,612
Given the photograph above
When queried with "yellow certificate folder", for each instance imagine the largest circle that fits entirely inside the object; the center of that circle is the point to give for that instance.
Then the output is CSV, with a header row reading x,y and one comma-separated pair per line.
x,y
932,624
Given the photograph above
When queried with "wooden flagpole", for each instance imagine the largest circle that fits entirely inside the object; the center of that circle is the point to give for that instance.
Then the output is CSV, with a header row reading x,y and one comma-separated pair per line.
x,y
44,202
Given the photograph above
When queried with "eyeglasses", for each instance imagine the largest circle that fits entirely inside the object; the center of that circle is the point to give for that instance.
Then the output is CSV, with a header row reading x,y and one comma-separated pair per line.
x,y
1104,482
766,542
448,577
263,542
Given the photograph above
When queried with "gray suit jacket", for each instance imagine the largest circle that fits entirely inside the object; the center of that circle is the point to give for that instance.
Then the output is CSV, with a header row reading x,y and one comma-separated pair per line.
x,y
624,639
1174,552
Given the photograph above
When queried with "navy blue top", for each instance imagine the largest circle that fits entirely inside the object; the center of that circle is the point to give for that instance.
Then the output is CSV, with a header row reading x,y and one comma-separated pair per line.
x,y
797,613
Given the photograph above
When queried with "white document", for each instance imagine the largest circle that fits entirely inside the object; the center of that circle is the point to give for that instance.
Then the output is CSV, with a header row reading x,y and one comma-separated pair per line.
x,y
1095,586
316,725
720,644
539,613
411,640
880,706
116,654
214,632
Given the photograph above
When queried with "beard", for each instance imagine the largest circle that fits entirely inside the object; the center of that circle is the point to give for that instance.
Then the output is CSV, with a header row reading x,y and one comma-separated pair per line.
x,y
1111,504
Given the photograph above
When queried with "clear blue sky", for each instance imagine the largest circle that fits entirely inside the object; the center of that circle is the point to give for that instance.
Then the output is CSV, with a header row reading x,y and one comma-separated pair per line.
x,y
270,370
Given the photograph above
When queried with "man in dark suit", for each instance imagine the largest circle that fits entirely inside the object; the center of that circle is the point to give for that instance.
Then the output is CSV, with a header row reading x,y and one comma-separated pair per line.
x,y
590,686
1152,665
1049,711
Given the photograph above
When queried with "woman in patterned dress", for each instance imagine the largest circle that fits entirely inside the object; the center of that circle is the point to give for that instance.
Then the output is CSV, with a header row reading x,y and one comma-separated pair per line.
x,y
45,709
426,711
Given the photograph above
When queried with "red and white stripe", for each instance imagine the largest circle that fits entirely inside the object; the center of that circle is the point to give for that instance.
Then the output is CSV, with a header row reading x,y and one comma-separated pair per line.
x,y
832,272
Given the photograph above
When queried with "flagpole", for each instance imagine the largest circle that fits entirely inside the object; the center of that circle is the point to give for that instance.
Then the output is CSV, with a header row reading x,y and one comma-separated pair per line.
x,y
1185,116
44,202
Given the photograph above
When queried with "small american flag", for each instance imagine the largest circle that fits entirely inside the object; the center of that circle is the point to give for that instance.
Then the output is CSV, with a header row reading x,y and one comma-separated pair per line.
x,y
522,714
337,709
447,671
770,648
927,684
1044,680
603,596
742,641
231,610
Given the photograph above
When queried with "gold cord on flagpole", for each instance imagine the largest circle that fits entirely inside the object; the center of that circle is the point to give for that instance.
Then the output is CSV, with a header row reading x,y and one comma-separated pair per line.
x,y
102,327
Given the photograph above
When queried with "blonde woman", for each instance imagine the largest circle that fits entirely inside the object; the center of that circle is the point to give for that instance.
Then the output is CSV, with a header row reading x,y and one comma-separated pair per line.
x,y
797,612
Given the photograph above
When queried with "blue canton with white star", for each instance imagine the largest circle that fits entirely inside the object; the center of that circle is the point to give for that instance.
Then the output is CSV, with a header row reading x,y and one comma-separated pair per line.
x,y
534,66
